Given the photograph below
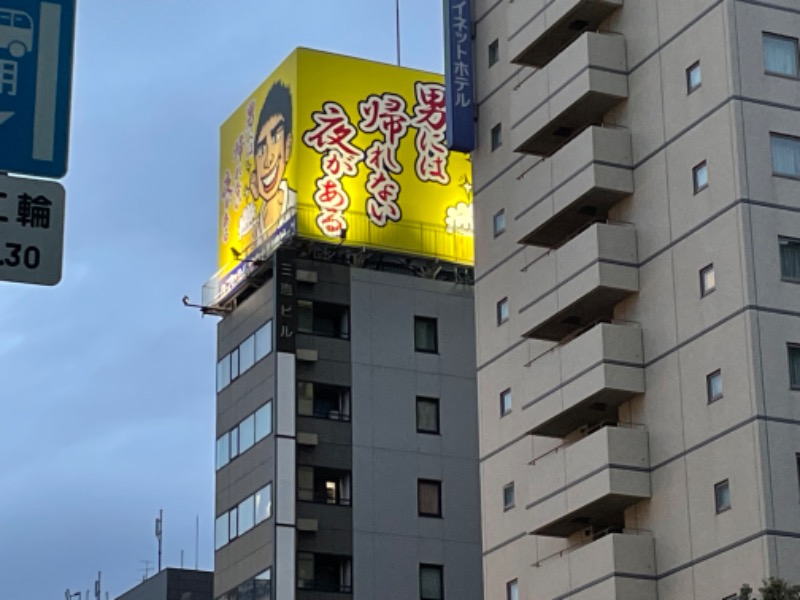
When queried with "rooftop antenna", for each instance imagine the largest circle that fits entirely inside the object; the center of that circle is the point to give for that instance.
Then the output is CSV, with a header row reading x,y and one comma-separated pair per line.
x,y
196,541
97,586
397,27
146,569
159,526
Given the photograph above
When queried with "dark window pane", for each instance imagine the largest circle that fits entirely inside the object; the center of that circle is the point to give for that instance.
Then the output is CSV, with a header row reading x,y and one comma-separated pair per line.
x,y
430,582
427,415
429,497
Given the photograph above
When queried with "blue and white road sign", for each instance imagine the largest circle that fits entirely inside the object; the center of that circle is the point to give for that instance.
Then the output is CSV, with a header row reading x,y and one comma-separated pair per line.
x,y
36,42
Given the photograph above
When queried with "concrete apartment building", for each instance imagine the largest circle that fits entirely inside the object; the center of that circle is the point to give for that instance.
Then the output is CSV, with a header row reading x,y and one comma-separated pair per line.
x,y
347,453
173,584
637,210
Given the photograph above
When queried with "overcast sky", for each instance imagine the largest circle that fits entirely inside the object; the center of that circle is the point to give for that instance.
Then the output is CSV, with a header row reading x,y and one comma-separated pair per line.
x,y
107,381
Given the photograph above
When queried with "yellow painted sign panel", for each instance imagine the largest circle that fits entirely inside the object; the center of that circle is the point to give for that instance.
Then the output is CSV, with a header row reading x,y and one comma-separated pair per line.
x,y
345,151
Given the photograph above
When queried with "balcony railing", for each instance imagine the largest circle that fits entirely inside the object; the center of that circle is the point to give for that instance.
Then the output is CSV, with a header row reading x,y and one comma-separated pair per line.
x,y
538,31
584,381
574,91
583,280
589,176
617,566
590,483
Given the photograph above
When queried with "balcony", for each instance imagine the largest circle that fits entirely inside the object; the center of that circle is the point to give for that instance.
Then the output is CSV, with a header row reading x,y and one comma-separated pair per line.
x,y
327,573
576,90
588,484
536,34
590,175
618,566
598,371
585,279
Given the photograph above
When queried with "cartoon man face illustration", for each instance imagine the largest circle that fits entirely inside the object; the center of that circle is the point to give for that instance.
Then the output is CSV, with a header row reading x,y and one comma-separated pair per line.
x,y
273,149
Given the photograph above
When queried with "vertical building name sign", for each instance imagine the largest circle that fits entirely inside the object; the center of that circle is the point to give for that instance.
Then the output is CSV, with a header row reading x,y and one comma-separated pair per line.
x,y
286,282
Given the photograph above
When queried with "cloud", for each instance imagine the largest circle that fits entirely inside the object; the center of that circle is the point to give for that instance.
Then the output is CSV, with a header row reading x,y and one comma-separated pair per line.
x,y
459,219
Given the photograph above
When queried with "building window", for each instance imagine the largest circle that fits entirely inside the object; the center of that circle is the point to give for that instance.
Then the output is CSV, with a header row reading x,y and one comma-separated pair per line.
x,y
714,386
224,372
324,573
221,531
499,222
263,421
708,281
722,496
694,77
323,486
502,311
785,155
794,366
790,259
700,177
780,55
497,136
505,402
508,496
242,358
431,582
323,319
494,52
223,451
429,497
797,467
427,415
251,430
323,401
425,335
263,503
512,591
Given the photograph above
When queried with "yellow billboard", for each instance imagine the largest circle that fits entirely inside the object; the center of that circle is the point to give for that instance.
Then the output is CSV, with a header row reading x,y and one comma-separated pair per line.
x,y
345,151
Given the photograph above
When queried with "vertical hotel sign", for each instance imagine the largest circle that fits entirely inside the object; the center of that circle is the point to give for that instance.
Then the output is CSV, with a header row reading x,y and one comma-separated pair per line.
x,y
459,75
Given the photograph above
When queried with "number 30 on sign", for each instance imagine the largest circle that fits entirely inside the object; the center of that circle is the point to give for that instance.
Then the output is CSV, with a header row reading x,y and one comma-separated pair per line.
x,y
31,230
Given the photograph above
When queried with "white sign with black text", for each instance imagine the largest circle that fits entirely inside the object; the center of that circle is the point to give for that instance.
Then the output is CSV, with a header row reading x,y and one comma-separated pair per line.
x,y
31,230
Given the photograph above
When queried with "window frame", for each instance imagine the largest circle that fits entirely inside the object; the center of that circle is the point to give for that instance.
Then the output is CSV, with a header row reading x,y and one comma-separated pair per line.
x,y
512,585
705,290
506,393
496,136
785,241
502,311
696,185
506,504
499,215
773,135
437,484
440,571
694,67
793,349
788,38
710,396
493,52
797,469
429,320
436,403
721,507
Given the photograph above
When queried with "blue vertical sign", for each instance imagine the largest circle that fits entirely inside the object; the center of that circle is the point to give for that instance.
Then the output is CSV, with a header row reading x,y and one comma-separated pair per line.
x,y
459,75
36,41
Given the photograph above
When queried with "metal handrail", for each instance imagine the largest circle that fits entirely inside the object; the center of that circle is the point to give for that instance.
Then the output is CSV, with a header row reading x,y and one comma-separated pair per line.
x,y
586,542
563,446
